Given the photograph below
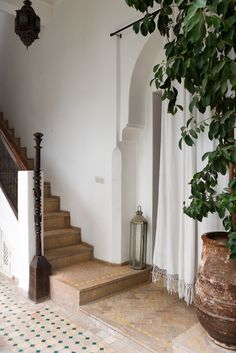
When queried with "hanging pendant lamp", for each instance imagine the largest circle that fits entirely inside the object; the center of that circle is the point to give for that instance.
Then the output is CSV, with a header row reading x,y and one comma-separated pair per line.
x,y
27,24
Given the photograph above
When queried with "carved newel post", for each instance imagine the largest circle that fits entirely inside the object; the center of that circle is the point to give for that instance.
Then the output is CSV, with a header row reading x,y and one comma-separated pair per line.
x,y
40,268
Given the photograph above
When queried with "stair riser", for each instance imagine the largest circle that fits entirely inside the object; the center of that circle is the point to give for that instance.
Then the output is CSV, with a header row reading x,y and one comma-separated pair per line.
x,y
63,294
71,260
47,190
31,163
58,242
71,298
52,205
5,123
89,295
23,150
17,141
56,223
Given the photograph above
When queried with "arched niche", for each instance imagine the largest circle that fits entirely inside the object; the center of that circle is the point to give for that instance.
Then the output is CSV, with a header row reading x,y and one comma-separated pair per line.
x,y
130,163
151,54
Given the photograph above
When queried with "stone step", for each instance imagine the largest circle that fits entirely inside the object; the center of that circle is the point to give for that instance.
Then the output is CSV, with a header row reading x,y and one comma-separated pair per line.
x,y
61,237
56,220
12,132
17,141
23,149
51,204
87,281
31,163
69,255
4,122
47,189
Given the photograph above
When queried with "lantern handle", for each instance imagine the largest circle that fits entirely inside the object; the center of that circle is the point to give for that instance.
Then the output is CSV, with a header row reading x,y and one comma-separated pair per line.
x,y
139,210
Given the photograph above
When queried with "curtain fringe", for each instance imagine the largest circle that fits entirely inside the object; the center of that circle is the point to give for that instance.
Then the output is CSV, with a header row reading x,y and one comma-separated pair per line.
x,y
174,285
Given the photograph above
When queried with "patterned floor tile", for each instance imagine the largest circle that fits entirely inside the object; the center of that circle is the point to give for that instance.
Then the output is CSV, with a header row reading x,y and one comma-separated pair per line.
x,y
42,328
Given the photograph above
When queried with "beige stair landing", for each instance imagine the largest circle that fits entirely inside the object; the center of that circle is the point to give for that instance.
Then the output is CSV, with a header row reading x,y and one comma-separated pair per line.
x,y
87,281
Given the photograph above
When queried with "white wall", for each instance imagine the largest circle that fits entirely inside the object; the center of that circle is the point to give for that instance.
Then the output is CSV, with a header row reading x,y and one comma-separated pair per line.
x,y
75,87
3,38
9,229
18,232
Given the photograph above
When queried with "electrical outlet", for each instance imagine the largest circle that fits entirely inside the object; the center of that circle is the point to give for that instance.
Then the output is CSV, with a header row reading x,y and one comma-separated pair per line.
x,y
99,180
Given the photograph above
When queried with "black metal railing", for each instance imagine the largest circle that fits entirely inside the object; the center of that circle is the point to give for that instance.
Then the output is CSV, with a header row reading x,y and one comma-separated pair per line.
x,y
12,159
8,176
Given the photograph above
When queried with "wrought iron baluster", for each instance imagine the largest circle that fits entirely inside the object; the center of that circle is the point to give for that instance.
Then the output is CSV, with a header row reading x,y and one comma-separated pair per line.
x,y
8,176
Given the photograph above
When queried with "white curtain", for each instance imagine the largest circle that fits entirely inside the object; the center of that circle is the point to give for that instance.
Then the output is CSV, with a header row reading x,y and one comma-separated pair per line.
x,y
177,245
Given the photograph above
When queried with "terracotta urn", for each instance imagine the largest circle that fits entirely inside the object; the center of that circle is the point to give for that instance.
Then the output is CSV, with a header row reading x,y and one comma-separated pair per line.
x,y
215,298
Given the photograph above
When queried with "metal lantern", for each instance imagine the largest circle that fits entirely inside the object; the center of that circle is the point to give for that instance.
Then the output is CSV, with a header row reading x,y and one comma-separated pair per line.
x,y
27,24
138,241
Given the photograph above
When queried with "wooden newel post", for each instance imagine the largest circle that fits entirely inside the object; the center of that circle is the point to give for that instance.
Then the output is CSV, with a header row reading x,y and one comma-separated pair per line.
x,y
40,268
37,193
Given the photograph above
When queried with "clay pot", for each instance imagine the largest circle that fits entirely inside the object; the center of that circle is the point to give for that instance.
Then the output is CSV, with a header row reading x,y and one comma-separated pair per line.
x,y
215,298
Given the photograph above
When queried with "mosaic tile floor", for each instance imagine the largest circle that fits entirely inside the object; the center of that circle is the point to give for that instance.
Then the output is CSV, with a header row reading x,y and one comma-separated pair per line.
x,y
46,328
147,314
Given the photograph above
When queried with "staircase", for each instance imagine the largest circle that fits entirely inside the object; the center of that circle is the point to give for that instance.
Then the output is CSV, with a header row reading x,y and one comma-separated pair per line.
x,y
62,242
77,277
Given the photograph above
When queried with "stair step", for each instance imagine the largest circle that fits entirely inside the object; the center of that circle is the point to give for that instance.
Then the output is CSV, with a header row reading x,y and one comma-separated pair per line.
x,y
47,189
87,281
51,204
4,122
23,149
69,255
31,163
12,132
17,141
56,220
61,237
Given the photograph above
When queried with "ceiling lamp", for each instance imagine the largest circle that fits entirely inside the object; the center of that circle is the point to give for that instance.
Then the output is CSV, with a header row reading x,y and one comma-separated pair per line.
x,y
27,24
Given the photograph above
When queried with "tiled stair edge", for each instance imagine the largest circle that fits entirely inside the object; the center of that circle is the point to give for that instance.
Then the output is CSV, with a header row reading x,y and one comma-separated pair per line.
x,y
100,291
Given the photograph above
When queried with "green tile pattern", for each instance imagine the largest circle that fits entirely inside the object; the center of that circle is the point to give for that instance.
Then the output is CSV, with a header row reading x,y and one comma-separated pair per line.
x,y
29,328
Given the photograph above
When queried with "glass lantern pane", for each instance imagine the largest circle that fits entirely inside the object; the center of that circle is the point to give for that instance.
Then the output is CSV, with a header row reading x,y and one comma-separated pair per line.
x,y
132,244
138,255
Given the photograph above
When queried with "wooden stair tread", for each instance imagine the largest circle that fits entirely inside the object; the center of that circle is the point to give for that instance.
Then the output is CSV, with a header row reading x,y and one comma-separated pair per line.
x,y
62,231
94,274
54,197
49,215
68,251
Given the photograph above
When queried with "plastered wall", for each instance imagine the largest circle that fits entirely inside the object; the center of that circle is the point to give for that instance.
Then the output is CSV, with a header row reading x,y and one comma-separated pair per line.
x,y
83,90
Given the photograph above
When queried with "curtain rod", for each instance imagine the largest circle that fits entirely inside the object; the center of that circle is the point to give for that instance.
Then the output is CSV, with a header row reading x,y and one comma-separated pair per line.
x,y
131,24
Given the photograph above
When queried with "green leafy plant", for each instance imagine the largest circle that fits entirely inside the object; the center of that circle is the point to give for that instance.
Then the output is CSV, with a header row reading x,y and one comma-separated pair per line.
x,y
200,53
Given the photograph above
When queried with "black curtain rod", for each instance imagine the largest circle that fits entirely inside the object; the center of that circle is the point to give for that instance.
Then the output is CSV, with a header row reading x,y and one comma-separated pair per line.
x,y
131,24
